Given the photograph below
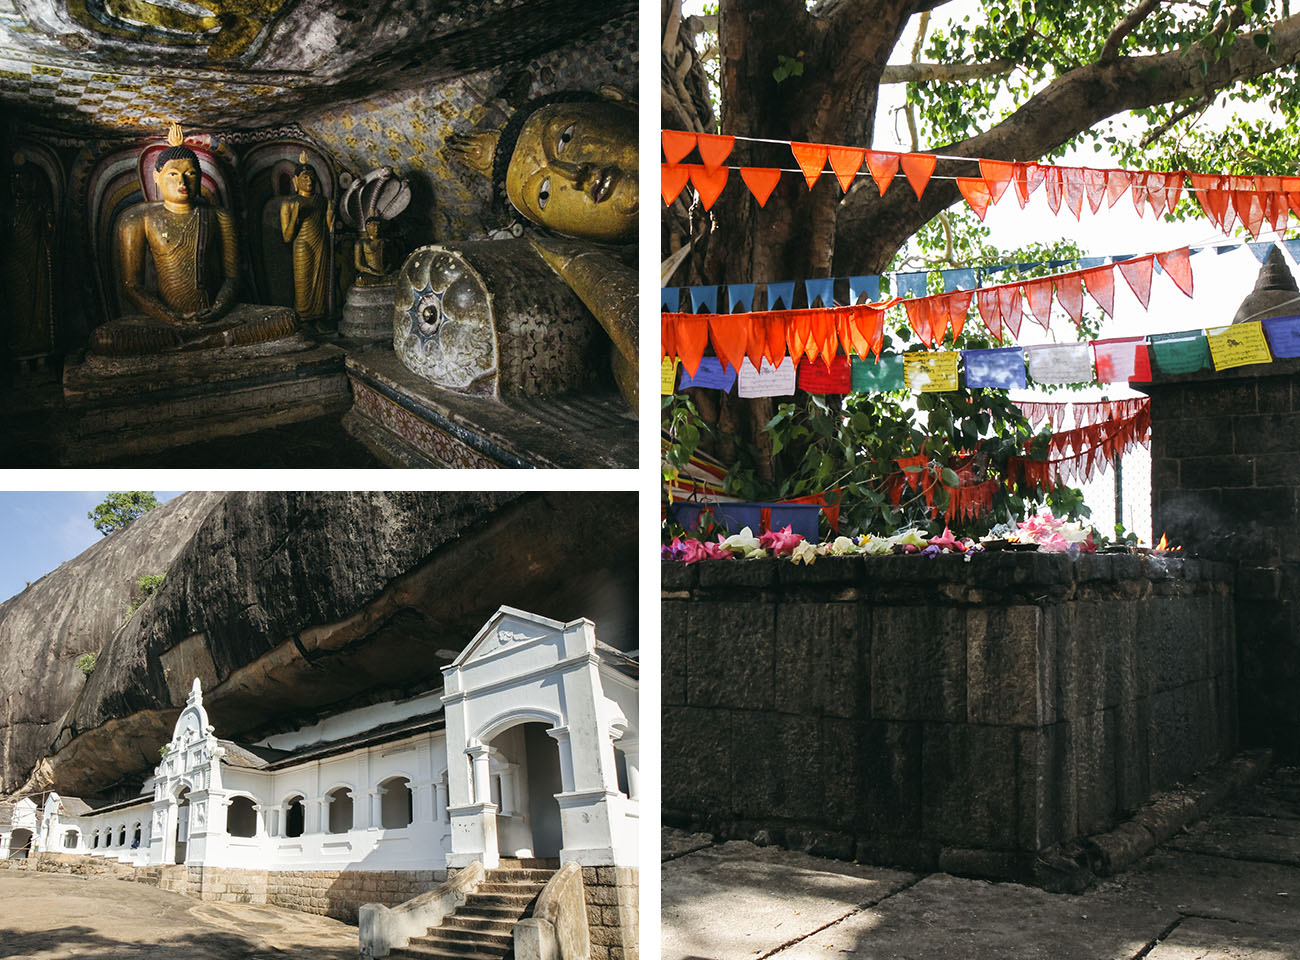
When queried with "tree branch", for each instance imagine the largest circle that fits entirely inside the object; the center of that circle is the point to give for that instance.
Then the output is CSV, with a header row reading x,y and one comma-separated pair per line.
x,y
1199,105
944,72
1110,50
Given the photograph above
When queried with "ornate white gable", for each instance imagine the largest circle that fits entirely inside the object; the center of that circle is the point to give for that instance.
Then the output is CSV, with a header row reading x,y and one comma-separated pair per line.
x,y
194,752
507,629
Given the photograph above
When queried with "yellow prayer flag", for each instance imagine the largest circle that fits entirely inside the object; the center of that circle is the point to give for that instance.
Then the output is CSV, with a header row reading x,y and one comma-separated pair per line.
x,y
667,375
931,372
1238,345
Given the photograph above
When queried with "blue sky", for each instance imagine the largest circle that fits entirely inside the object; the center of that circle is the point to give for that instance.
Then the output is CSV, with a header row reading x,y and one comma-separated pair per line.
x,y
39,531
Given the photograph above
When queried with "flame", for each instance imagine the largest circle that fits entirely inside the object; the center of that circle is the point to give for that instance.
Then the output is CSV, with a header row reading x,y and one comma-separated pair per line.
x,y
1163,544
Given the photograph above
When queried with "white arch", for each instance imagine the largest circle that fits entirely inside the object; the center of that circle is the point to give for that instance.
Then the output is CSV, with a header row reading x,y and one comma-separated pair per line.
x,y
502,722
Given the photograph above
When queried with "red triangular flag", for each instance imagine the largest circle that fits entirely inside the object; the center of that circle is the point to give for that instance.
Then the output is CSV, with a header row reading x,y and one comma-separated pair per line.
x,y
1038,293
1035,174
1100,282
986,301
729,334
1178,264
1248,207
811,158
1173,190
707,184
761,182
1010,309
1117,181
1052,180
1138,274
757,340
677,144
671,181
691,337
918,168
1069,293
1094,182
667,335
1139,192
997,174
845,161
714,149
956,305
918,317
976,192
774,349
883,166
1072,186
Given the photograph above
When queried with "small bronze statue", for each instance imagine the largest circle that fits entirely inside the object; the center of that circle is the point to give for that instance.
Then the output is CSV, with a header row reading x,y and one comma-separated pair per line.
x,y
307,222
195,251
368,256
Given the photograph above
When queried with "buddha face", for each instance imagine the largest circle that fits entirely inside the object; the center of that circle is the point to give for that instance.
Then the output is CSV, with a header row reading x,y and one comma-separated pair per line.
x,y
574,170
178,182
305,183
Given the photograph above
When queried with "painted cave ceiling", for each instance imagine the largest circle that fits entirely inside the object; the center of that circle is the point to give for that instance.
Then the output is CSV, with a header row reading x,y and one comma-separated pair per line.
x,y
131,66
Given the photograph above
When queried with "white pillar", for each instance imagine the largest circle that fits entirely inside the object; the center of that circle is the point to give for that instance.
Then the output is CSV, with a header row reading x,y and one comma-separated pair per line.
x,y
632,754
482,777
561,736
374,809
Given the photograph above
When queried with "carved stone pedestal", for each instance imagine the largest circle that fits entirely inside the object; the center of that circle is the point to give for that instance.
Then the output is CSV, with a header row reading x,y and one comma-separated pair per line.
x,y
124,406
368,313
406,421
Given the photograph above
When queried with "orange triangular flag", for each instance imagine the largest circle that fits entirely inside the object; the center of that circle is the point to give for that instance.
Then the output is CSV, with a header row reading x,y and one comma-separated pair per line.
x,y
1072,187
1139,191
851,335
976,192
707,184
1038,293
714,149
1034,175
883,166
822,326
1173,190
671,181
1138,274
1069,293
730,335
872,323
692,336
757,340
798,334
1009,307
677,144
846,162
956,304
1117,181
918,317
667,335
774,347
1052,180
761,182
918,168
811,158
987,303
1100,282
997,174
1094,182
1178,264
1248,207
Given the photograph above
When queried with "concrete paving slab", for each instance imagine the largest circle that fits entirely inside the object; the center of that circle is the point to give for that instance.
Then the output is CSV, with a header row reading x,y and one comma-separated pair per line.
x,y
1267,839
1197,938
737,900
947,918
52,916
1216,887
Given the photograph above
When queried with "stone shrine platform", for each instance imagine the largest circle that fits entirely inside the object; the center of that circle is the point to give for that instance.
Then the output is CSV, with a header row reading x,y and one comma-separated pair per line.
x,y
123,406
408,422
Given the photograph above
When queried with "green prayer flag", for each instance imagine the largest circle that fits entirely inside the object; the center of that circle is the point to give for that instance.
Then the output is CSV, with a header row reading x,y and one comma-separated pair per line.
x,y
871,377
1184,352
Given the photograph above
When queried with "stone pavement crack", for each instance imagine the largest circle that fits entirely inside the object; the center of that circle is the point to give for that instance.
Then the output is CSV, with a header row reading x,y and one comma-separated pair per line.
x,y
1152,944
860,908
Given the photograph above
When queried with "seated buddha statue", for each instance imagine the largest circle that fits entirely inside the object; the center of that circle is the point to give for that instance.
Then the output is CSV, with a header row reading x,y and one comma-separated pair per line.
x,y
568,164
195,250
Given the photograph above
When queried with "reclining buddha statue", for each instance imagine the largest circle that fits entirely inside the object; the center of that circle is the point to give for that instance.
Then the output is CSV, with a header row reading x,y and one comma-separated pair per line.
x,y
194,246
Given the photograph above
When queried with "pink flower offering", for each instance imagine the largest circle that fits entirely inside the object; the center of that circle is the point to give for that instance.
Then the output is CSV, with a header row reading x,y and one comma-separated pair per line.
x,y
781,542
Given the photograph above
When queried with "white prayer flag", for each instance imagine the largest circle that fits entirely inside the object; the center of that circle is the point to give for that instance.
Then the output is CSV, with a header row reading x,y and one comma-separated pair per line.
x,y
1060,363
769,381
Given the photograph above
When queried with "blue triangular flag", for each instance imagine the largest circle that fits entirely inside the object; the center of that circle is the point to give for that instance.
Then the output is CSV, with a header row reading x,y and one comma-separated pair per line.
x,y
1261,249
704,297
709,374
1087,263
740,293
1223,248
860,287
780,293
958,279
1293,248
910,284
822,289
671,298
1121,257
1000,369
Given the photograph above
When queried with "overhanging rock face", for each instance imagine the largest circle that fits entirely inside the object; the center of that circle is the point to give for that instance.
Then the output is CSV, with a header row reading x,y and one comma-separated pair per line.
x,y
290,606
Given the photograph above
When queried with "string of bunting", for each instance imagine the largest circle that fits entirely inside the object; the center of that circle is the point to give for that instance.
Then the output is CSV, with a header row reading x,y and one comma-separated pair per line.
x,y
1113,360
821,331
1081,452
1224,198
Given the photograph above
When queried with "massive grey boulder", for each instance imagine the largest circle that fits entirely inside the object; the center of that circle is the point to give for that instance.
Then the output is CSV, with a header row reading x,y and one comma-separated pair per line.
x,y
291,606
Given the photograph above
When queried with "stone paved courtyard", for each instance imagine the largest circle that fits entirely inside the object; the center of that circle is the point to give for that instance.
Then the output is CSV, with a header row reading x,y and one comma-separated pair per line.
x,y
1226,888
47,916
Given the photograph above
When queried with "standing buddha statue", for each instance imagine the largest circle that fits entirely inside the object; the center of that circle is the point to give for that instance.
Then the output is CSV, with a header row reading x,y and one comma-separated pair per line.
x,y
306,222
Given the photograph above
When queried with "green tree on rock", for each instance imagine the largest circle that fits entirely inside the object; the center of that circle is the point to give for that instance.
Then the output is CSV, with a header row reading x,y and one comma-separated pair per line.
x,y
120,510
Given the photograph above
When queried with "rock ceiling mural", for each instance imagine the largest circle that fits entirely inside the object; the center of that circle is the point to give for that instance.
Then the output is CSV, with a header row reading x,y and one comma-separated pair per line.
x,y
125,66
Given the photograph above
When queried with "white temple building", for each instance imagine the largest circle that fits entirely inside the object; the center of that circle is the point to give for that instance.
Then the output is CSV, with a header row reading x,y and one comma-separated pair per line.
x,y
529,752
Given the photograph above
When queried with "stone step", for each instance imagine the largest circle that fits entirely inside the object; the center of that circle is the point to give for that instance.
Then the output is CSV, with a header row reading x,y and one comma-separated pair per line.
x,y
449,938
477,924
533,863
509,899
518,876
532,889
485,912
437,953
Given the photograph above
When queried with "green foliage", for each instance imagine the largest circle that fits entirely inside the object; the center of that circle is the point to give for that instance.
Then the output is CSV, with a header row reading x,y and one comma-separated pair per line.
x,y
164,750
86,662
120,510
787,67
150,582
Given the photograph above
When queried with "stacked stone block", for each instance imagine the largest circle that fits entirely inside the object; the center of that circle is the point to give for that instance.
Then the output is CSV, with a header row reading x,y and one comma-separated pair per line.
x,y
939,713
1225,483
611,894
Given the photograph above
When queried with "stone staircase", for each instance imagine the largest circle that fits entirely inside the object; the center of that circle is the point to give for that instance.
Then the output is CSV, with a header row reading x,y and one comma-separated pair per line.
x,y
482,928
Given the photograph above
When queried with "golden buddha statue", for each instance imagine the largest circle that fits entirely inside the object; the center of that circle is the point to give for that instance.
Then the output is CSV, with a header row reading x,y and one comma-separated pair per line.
x,y
368,256
568,163
195,250
306,222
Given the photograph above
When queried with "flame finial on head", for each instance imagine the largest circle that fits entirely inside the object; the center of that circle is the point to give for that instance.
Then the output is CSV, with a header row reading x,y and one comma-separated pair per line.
x,y
302,156
175,135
